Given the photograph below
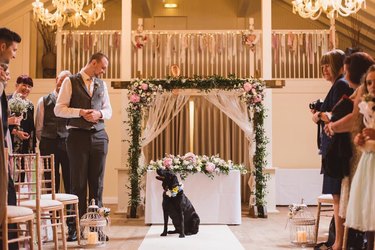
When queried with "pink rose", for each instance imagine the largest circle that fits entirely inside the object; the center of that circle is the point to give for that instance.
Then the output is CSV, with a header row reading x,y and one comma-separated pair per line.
x,y
257,99
167,162
210,167
247,86
134,98
144,86
190,157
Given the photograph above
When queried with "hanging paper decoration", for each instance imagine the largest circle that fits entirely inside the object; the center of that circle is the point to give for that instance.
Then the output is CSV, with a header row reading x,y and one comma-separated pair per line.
x,y
116,40
139,39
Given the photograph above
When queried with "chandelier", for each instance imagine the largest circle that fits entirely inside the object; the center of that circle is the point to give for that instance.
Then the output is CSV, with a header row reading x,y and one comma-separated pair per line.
x,y
69,11
313,8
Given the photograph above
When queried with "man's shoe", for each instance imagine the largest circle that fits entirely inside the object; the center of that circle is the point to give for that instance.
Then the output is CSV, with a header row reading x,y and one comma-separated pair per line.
x,y
72,235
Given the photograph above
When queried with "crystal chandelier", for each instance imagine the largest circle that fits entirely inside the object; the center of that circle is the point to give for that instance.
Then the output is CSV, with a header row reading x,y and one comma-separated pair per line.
x,y
69,11
313,8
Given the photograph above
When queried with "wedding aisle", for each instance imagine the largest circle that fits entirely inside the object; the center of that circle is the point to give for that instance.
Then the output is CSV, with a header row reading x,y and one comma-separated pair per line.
x,y
218,237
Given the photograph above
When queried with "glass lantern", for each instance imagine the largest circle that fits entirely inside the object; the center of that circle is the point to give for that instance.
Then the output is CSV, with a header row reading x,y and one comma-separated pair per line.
x,y
302,225
93,227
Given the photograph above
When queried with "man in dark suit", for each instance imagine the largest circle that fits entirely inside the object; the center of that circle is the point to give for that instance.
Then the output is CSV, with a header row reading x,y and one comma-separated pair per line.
x,y
51,133
84,100
9,41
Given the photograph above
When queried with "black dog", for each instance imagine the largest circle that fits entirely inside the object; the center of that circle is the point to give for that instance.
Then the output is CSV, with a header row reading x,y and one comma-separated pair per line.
x,y
177,206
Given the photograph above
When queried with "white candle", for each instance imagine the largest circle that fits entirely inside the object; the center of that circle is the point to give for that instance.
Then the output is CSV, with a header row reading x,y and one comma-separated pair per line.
x,y
301,236
92,238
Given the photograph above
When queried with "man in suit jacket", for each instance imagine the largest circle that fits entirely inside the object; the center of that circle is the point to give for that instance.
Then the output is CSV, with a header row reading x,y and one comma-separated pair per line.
x,y
51,133
9,41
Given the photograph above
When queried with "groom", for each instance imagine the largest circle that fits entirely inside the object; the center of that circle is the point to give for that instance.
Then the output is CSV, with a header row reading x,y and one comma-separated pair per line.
x,y
84,100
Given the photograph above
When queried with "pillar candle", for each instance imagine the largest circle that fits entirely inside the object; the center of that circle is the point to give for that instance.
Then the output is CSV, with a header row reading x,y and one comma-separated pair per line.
x,y
92,238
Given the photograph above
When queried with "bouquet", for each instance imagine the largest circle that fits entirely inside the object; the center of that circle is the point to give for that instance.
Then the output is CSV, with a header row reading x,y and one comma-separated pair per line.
x,y
18,106
367,108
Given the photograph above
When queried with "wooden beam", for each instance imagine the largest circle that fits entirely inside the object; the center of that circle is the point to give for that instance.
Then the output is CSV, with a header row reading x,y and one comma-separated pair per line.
x,y
146,7
243,8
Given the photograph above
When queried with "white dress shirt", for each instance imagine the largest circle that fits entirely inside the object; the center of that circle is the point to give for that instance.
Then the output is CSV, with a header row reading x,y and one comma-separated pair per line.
x,y
39,118
62,108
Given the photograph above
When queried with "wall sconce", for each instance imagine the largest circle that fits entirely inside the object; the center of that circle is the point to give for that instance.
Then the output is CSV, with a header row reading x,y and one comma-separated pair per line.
x,y
170,5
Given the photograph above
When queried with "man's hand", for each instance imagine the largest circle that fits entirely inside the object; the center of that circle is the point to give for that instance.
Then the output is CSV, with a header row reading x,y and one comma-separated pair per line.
x,y
15,120
21,134
90,115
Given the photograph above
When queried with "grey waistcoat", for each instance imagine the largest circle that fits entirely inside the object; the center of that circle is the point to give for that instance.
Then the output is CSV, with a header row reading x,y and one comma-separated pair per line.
x,y
53,126
81,99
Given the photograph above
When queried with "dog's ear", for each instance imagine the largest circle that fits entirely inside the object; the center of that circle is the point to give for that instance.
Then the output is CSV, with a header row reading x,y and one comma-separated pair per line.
x,y
160,178
160,172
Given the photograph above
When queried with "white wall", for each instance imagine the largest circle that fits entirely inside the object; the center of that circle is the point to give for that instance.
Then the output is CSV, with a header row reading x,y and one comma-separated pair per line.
x,y
294,133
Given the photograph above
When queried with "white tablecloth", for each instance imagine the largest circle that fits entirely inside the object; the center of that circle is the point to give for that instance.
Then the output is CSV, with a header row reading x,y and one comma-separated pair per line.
x,y
216,201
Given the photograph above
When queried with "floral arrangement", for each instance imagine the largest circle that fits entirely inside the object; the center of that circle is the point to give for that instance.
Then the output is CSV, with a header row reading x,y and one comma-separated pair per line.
x,y
253,94
294,209
367,108
18,106
104,211
141,96
191,164
173,192
142,93
369,98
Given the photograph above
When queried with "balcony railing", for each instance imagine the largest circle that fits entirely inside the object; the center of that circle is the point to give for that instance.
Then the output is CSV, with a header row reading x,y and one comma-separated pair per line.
x,y
295,54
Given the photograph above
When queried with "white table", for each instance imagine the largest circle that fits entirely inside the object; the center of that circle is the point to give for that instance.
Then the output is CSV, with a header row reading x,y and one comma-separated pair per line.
x,y
216,201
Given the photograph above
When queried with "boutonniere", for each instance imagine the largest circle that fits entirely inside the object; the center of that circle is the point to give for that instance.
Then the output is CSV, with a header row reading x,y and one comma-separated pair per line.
x,y
96,85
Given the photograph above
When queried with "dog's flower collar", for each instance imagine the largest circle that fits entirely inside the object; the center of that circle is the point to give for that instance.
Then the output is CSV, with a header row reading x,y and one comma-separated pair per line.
x,y
174,191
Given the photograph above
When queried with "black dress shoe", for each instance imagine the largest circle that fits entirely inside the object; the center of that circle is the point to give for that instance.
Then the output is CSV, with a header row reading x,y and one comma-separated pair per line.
x,y
72,235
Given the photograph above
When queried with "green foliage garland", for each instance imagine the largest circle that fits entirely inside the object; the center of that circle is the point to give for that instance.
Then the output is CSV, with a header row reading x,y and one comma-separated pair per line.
x,y
141,95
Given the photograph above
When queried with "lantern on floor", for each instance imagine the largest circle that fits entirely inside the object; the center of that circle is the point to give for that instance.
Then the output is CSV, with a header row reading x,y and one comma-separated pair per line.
x,y
93,226
302,225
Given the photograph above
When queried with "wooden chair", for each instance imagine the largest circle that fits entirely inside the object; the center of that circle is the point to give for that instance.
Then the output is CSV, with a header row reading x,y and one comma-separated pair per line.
x,y
323,199
18,215
70,201
36,183
13,214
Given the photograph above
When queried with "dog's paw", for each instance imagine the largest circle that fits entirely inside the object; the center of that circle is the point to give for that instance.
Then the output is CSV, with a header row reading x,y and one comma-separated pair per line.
x,y
163,234
173,232
182,236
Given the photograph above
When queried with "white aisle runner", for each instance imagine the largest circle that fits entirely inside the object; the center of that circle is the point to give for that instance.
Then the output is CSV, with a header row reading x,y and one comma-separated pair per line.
x,y
210,237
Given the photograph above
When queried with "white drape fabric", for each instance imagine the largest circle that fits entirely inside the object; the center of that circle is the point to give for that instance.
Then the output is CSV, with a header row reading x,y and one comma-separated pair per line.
x,y
231,105
166,106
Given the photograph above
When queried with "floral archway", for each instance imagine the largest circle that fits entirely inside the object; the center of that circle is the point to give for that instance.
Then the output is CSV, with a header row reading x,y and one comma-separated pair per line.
x,y
142,95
